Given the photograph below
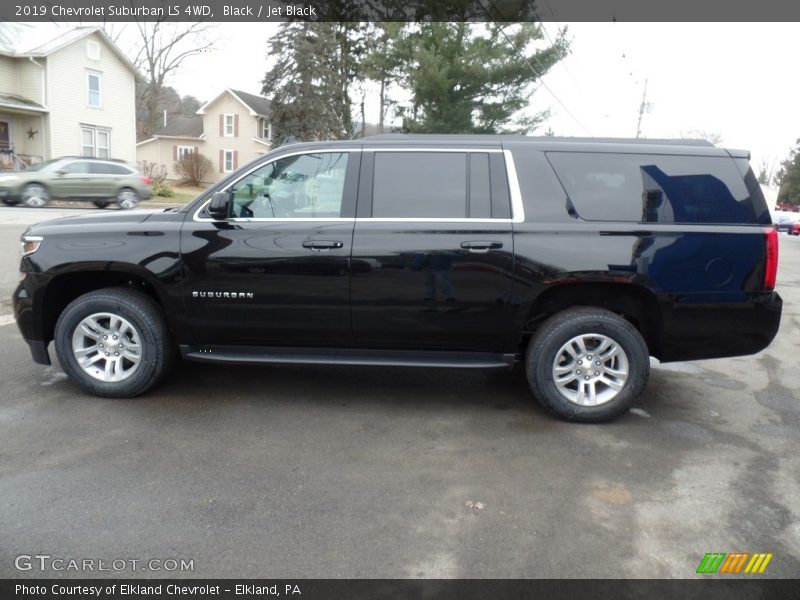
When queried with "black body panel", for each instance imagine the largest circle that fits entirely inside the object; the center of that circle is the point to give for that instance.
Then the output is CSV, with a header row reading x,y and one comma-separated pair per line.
x,y
463,286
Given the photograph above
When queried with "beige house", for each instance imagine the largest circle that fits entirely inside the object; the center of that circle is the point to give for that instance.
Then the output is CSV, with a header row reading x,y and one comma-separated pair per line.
x,y
230,130
71,95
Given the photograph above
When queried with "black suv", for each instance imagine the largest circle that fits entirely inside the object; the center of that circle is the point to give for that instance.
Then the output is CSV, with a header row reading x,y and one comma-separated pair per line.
x,y
579,257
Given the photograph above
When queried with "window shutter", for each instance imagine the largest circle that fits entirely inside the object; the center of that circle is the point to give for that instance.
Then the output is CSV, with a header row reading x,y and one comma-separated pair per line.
x,y
221,161
221,125
235,159
175,153
236,125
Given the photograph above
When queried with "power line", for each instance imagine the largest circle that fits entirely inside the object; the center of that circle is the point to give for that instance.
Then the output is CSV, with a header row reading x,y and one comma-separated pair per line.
x,y
530,66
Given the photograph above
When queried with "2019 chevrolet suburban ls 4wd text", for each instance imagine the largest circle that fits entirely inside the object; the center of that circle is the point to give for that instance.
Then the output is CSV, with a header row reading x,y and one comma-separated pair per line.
x,y
580,258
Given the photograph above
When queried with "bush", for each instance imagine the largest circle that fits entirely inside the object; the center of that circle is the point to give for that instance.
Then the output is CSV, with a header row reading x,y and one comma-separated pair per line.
x,y
156,172
192,168
163,189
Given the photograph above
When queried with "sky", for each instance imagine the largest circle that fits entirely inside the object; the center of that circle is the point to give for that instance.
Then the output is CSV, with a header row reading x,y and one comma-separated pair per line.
x,y
736,81
733,80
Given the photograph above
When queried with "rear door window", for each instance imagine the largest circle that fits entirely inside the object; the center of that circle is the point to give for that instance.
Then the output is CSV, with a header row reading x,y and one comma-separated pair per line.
x,y
420,185
654,188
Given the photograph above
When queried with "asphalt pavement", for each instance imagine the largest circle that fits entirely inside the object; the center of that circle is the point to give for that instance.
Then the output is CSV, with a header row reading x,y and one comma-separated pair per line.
x,y
291,471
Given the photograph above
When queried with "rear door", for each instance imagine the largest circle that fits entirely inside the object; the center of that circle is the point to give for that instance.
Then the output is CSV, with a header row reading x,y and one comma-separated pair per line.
x,y
432,250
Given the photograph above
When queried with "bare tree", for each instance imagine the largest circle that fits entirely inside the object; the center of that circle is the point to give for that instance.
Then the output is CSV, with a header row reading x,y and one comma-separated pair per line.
x,y
161,48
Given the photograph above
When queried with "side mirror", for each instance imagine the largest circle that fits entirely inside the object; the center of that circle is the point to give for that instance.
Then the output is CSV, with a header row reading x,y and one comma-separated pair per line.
x,y
219,205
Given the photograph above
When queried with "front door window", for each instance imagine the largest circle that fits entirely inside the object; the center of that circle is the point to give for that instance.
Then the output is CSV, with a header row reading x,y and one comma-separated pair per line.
x,y
306,186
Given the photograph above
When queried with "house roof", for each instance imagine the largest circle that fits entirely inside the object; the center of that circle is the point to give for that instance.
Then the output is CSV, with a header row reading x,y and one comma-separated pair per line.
x,y
22,40
182,127
258,106
18,102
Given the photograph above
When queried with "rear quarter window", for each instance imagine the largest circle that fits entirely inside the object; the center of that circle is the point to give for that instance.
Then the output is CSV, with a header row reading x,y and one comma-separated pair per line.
x,y
654,188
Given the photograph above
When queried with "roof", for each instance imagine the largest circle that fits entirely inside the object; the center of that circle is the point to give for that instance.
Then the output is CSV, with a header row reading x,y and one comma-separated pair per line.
x,y
182,127
468,137
23,40
258,106
18,102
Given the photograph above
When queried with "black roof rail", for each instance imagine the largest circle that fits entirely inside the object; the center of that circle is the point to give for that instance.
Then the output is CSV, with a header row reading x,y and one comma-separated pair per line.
x,y
549,139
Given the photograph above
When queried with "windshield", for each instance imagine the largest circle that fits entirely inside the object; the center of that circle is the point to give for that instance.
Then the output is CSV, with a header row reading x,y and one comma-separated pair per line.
x,y
41,166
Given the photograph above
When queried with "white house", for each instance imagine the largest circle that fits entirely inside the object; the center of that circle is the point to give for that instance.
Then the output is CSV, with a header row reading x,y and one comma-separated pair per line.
x,y
71,95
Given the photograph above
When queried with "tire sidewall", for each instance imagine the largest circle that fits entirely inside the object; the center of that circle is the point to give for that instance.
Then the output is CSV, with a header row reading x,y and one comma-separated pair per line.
x,y
152,353
542,352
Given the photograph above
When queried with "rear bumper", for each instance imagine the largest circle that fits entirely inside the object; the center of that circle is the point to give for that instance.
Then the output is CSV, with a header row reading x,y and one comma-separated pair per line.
x,y
699,331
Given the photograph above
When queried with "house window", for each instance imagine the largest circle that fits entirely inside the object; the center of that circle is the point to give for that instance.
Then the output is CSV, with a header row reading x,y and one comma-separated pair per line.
x,y
93,50
93,89
184,150
227,163
95,142
267,131
229,127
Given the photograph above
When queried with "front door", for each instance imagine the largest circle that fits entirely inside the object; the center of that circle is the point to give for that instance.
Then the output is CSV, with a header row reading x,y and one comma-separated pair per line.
x,y
276,272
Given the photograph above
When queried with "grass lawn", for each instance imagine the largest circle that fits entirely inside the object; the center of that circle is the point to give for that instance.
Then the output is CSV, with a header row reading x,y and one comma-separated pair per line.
x,y
183,194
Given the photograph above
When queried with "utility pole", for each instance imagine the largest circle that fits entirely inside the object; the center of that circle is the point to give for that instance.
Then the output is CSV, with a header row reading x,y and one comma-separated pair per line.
x,y
642,107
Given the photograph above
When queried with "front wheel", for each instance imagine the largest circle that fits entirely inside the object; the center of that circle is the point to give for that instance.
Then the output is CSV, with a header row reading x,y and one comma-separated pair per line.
x,y
587,364
113,342
35,195
101,203
127,198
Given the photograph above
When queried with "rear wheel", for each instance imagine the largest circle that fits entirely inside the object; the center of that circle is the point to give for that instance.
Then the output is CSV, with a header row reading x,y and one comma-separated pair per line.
x,y
35,195
127,198
113,343
587,364
101,203
8,202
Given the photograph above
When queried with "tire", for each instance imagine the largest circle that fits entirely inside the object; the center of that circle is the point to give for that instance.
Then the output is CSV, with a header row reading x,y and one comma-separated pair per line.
x,y
35,195
8,202
555,351
127,198
139,322
101,203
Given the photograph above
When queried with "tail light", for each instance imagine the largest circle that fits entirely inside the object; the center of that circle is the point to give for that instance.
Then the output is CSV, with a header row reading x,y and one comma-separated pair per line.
x,y
147,180
771,261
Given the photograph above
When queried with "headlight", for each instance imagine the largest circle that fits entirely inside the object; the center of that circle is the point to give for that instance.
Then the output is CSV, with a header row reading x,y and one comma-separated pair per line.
x,y
29,244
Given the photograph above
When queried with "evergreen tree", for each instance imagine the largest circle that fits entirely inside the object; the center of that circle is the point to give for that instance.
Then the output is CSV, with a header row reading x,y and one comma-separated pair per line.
x,y
467,78
789,177
309,86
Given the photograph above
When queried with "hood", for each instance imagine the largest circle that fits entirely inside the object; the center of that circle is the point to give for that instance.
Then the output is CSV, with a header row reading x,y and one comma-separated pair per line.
x,y
94,221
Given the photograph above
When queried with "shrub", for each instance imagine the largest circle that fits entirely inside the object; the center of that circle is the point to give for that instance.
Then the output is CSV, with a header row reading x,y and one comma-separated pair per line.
x,y
156,172
163,189
192,168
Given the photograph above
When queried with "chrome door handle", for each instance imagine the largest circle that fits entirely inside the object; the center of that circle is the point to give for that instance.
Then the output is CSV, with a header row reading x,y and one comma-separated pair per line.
x,y
481,246
322,244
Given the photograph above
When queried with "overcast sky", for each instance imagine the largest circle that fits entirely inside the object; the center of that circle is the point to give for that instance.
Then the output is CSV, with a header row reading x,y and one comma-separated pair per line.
x,y
735,80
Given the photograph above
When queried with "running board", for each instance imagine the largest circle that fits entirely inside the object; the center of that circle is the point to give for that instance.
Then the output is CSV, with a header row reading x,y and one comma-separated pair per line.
x,y
246,355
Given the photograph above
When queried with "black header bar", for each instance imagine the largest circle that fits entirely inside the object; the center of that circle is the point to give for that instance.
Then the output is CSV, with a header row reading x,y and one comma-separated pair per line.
x,y
398,10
